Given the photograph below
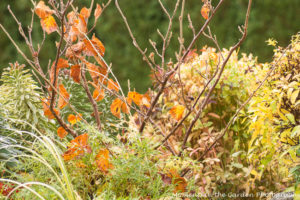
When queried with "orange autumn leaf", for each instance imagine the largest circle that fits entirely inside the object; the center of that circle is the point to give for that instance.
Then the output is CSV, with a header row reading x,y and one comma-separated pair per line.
x,y
205,11
62,63
135,97
94,72
118,105
94,47
49,24
47,111
124,107
115,107
98,12
42,10
74,50
85,13
97,73
75,73
102,160
72,119
80,140
177,112
112,85
63,97
179,182
77,147
78,26
98,94
61,132
49,114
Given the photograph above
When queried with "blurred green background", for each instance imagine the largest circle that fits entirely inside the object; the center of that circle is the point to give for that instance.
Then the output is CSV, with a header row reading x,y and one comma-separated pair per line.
x,y
277,19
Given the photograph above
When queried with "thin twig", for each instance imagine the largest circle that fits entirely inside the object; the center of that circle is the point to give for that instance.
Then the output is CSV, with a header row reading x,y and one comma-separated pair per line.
x,y
234,117
91,99
169,74
218,77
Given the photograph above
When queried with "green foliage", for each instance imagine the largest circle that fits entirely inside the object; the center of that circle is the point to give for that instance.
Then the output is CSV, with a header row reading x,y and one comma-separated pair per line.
x,y
275,115
226,169
135,175
20,98
40,167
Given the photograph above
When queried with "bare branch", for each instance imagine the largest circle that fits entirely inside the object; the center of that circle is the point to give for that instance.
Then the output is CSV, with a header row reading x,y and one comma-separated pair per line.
x,y
169,74
218,77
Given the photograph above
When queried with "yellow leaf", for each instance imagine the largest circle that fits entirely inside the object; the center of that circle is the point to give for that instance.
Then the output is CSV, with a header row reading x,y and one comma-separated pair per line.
x,y
294,96
49,24
177,112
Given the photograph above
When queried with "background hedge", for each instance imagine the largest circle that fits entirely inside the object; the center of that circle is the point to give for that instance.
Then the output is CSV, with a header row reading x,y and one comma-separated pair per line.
x,y
269,18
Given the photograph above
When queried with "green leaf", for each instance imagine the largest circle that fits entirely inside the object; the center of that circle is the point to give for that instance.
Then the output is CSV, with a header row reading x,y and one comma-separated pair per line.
x,y
294,96
291,118
237,165
295,131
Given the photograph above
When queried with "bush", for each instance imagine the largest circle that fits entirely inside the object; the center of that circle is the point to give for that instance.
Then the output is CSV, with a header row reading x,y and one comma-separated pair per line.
x,y
191,133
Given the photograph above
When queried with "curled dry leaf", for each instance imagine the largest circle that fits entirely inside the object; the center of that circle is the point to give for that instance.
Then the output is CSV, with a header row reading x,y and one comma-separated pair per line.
x,y
117,106
179,182
135,97
98,12
85,13
74,50
61,132
205,11
76,73
124,107
49,24
112,85
97,73
78,26
102,161
62,63
64,95
42,10
177,112
94,47
98,93
77,147
47,111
